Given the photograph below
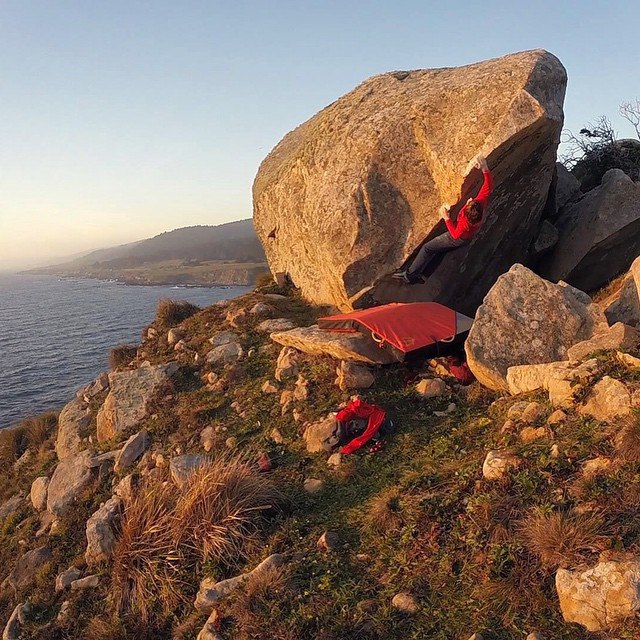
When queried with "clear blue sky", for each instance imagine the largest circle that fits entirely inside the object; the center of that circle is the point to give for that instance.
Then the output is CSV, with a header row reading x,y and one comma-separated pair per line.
x,y
122,119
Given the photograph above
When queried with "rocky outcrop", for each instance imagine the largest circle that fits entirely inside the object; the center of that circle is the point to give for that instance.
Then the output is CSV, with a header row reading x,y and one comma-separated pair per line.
x,y
130,393
599,234
74,418
343,346
527,320
101,532
349,195
600,596
70,478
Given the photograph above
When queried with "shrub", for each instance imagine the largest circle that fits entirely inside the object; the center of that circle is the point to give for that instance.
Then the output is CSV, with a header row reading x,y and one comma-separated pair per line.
x,y
122,355
563,539
166,533
386,512
170,313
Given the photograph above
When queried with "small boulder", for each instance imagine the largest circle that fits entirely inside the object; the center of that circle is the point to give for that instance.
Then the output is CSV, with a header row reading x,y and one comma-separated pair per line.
x,y
619,337
600,596
101,532
90,582
287,364
276,436
27,567
533,413
352,375
70,478
275,325
313,485
318,434
73,420
609,399
405,602
497,464
223,337
174,336
227,353
335,459
301,389
262,310
236,317
132,449
329,541
126,488
557,417
530,434
38,493
181,467
208,438
269,388
64,579
13,628
516,409
432,387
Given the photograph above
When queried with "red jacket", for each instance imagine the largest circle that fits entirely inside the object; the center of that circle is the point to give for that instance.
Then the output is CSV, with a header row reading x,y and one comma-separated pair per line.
x,y
463,229
360,409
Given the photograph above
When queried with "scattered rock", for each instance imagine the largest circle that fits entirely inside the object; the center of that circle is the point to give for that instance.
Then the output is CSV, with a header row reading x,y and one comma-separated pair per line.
x,y
132,449
269,387
405,602
313,485
432,387
107,457
236,318
352,375
26,569
275,325
174,336
227,353
212,592
223,337
286,398
609,399
346,197
18,617
181,467
601,596
329,541
557,417
335,459
70,478
509,426
555,451
208,438
318,434
533,413
628,360
74,418
516,409
526,320
287,364
276,436
130,394
90,582
296,414
38,493
101,532
210,629
262,310
497,464
596,466
619,336
599,234
126,488
301,390
64,579
530,434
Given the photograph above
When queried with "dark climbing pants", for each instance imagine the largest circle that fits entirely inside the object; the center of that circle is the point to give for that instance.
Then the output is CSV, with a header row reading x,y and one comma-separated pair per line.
x,y
429,250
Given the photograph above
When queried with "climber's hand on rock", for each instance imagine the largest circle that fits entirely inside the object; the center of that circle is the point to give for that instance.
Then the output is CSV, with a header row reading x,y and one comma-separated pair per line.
x,y
444,211
481,163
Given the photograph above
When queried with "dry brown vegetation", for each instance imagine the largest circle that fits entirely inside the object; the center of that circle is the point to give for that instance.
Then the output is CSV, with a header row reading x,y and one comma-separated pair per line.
x,y
122,355
165,534
386,512
563,538
628,440
170,313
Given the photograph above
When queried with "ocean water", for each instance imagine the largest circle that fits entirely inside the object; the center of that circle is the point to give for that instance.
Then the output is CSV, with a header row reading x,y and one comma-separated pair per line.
x,y
56,334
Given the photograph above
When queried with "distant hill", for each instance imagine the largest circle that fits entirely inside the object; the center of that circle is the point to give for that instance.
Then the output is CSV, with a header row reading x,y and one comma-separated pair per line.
x,y
224,254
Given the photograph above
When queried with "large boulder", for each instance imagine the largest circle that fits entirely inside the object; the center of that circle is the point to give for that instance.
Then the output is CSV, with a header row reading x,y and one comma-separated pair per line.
x,y
567,186
73,420
348,196
623,304
601,596
599,234
70,478
527,320
129,395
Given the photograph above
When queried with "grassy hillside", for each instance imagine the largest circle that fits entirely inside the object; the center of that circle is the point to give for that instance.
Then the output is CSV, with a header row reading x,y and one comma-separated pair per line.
x,y
477,556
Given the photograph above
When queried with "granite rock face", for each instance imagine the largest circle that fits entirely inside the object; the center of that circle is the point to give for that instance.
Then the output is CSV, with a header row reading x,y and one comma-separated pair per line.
x,y
527,320
72,421
599,234
349,195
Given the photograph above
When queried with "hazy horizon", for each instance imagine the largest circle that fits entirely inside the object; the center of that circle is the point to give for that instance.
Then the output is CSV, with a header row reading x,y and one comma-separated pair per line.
x,y
124,120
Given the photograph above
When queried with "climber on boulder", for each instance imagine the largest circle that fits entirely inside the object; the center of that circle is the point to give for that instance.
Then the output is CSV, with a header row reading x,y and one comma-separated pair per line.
x,y
458,234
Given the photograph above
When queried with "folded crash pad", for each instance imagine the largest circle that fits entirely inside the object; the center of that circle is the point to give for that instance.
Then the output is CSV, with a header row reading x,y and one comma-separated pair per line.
x,y
405,326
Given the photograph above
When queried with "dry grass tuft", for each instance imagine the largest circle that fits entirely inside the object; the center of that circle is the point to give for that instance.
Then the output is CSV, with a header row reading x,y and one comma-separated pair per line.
x,y
386,513
221,508
166,533
40,428
170,313
563,539
100,628
628,440
13,443
122,355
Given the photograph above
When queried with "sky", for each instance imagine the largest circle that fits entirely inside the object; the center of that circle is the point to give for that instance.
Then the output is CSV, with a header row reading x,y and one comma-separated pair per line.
x,y
123,119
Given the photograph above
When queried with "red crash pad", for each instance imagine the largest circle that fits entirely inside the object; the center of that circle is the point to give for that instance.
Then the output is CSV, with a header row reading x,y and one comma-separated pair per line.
x,y
406,326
